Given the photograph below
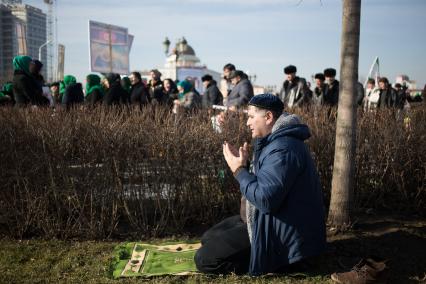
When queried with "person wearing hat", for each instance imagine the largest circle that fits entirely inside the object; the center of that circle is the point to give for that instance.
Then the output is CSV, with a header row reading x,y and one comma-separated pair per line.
x,y
284,222
331,93
212,95
318,93
242,91
294,92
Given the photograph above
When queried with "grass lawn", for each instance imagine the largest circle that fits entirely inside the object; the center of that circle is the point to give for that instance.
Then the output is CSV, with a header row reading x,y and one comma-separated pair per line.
x,y
403,242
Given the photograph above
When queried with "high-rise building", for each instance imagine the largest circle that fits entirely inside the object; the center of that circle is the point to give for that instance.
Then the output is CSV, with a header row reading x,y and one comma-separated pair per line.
x,y
23,31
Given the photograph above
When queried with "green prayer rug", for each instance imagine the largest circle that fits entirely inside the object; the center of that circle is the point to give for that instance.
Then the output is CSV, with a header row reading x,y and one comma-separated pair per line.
x,y
141,259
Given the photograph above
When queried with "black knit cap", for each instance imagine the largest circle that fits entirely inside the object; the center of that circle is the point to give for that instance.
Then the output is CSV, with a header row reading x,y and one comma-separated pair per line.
x,y
330,72
267,101
290,69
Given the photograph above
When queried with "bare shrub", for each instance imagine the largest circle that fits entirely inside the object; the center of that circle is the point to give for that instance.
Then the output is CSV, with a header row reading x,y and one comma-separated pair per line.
x,y
101,173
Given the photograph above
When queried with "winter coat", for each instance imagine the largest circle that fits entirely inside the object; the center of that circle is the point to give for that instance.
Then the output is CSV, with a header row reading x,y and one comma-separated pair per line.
x,y
331,93
295,93
240,94
156,92
139,95
94,97
192,100
115,95
318,96
94,90
359,93
73,95
388,98
401,97
212,95
26,90
288,222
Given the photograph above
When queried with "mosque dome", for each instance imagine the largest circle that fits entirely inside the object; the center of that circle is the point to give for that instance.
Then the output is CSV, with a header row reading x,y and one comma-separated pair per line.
x,y
184,48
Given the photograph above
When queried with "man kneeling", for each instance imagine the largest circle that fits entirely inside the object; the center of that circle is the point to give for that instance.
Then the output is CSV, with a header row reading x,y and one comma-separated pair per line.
x,y
284,215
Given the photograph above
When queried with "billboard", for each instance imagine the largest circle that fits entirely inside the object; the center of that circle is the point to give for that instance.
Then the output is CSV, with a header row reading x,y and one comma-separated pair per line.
x,y
109,48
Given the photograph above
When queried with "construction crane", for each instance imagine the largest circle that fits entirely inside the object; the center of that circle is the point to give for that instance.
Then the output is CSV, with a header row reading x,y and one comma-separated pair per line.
x,y
52,35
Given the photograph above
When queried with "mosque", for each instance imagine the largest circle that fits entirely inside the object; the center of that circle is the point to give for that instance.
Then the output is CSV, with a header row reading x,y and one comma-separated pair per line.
x,y
182,63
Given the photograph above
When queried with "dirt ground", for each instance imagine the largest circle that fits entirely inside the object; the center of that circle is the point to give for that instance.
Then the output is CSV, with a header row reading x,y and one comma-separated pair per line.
x,y
400,240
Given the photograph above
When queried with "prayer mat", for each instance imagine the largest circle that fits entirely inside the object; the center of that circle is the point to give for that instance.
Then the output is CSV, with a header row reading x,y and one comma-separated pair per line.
x,y
141,259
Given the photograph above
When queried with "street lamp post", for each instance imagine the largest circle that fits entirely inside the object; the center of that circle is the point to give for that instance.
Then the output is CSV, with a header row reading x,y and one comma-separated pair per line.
x,y
166,44
41,46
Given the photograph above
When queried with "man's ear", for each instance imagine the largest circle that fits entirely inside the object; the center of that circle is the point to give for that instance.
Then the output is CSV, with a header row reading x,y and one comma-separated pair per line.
x,y
269,117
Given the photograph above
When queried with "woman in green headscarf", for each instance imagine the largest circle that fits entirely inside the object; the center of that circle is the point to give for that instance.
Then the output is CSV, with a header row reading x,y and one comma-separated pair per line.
x,y
72,92
94,90
187,99
25,89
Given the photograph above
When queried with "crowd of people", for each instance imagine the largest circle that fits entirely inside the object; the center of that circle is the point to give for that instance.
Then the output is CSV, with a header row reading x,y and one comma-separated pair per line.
x,y
235,90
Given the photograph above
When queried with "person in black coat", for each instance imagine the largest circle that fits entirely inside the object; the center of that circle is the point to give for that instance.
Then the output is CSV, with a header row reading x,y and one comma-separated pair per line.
x,y
94,90
156,89
170,91
73,93
212,95
116,94
331,93
401,96
387,94
26,90
138,94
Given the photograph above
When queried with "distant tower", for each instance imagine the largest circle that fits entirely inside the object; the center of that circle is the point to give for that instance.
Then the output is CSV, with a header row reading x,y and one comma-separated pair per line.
x,y
52,47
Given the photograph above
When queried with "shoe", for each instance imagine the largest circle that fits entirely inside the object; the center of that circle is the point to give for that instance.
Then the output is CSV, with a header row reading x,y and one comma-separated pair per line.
x,y
366,271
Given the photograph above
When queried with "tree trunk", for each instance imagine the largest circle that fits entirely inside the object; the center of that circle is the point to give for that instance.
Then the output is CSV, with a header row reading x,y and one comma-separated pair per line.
x,y
342,187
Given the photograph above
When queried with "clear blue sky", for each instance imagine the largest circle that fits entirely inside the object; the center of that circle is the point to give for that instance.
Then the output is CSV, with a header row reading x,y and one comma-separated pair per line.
x,y
260,36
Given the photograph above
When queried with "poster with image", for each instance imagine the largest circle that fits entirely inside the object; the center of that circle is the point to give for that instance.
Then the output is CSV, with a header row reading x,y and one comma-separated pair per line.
x,y
109,48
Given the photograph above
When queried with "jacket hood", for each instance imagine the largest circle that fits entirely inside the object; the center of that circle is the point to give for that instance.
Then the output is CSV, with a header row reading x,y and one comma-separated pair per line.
x,y
68,80
93,82
289,125
22,63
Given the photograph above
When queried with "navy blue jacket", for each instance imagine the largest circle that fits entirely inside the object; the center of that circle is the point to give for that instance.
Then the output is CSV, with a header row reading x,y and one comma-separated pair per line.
x,y
285,190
